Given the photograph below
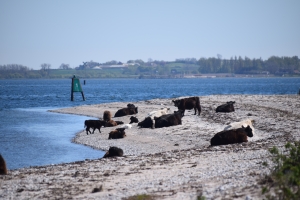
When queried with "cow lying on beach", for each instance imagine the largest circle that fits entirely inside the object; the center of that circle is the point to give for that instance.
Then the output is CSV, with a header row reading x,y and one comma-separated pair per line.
x,y
112,123
146,123
228,107
126,126
188,104
130,110
93,123
232,136
158,113
169,119
133,120
116,134
3,169
113,151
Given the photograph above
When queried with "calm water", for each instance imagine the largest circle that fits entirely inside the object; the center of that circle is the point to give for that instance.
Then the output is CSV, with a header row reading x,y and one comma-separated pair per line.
x,y
31,136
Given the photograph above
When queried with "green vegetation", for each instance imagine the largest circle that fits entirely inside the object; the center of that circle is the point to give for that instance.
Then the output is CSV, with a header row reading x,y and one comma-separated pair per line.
x,y
284,180
274,66
140,197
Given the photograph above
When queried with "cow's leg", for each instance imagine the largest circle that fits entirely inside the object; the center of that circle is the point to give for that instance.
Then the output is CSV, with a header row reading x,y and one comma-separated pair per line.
x,y
94,129
195,111
87,129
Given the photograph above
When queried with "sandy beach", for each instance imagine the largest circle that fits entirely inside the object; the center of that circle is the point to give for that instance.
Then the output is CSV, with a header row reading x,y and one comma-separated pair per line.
x,y
167,163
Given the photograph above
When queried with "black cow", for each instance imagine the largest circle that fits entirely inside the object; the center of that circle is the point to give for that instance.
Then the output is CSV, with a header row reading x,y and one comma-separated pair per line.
x,y
232,136
133,120
146,123
228,107
116,134
95,124
188,104
169,119
3,168
113,151
130,110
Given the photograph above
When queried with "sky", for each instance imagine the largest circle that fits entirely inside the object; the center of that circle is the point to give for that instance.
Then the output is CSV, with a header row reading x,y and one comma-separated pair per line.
x,y
34,32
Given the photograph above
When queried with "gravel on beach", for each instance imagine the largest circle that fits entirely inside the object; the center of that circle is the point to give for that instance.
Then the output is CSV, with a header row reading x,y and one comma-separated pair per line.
x,y
174,162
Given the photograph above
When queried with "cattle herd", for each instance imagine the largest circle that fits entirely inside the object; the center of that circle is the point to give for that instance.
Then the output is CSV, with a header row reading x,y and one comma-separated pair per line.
x,y
236,132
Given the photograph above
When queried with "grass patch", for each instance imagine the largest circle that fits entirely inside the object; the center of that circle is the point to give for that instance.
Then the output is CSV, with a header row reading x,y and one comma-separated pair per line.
x,y
140,197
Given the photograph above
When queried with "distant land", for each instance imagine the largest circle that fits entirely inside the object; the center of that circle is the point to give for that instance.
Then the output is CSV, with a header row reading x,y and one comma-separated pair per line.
x,y
180,68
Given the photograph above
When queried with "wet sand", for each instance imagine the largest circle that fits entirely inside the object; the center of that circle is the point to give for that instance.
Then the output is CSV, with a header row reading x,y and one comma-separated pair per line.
x,y
168,163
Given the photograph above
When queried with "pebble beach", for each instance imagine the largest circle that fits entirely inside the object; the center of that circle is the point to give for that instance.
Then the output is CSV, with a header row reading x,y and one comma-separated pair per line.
x,y
174,162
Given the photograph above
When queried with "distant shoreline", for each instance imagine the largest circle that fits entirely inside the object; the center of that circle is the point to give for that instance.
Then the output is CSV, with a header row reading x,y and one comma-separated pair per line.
x,y
189,77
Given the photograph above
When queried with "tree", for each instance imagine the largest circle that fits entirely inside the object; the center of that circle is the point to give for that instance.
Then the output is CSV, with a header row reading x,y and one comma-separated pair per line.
x,y
64,66
45,66
45,69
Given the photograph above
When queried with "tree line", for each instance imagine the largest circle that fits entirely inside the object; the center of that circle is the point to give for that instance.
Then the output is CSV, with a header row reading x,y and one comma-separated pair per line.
x,y
235,65
273,65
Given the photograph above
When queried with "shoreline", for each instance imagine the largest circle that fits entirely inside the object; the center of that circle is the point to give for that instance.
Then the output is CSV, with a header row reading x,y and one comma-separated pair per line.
x,y
172,162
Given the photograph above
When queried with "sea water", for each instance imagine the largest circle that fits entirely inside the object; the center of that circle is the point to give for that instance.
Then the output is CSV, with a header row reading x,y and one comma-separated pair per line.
x,y
32,136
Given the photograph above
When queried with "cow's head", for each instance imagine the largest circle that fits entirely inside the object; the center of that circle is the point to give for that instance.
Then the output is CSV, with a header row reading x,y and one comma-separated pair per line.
x,y
176,102
248,131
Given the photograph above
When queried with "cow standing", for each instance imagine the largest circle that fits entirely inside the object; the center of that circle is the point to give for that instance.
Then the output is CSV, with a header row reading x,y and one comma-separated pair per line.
x,y
188,104
95,124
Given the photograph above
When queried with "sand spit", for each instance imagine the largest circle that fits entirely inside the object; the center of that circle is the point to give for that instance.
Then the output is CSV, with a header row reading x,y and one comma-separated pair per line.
x,y
167,163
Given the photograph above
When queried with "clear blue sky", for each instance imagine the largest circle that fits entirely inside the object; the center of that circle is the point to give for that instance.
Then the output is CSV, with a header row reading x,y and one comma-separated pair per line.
x,y
72,31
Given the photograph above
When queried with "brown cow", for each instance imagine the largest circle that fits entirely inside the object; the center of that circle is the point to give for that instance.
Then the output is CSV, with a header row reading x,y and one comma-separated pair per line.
x,y
112,123
106,115
232,136
113,151
188,104
116,134
130,110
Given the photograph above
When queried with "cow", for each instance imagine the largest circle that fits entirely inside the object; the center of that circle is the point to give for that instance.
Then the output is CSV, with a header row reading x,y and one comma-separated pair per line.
x,y
3,169
188,104
106,115
240,124
146,123
93,123
133,120
130,110
113,151
116,134
169,119
231,136
158,113
228,107
126,126
112,123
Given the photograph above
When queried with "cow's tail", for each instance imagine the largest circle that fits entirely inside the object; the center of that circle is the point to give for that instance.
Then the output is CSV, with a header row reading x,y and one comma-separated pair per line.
x,y
84,123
